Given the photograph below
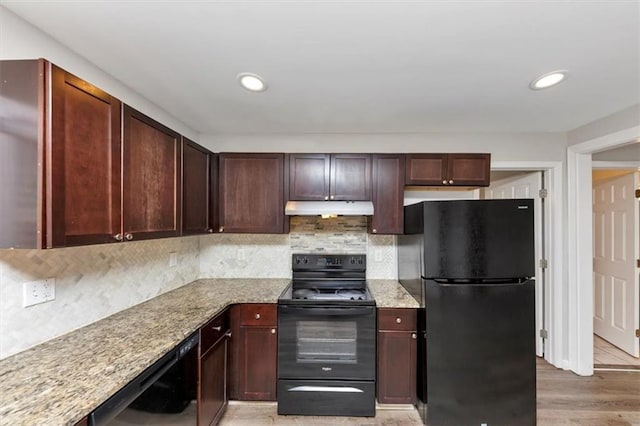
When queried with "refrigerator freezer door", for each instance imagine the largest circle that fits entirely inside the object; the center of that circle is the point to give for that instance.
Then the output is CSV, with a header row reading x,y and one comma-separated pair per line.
x,y
480,357
478,239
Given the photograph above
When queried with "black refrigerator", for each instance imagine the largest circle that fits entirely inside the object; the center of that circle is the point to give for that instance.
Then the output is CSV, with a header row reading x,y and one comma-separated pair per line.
x,y
470,263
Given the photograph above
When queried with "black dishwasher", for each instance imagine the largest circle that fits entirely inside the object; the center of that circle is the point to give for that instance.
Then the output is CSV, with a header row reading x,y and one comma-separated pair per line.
x,y
167,390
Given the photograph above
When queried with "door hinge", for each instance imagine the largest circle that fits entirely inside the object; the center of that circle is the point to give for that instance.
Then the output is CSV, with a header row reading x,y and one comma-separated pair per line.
x,y
544,334
543,193
638,263
638,332
637,193
544,263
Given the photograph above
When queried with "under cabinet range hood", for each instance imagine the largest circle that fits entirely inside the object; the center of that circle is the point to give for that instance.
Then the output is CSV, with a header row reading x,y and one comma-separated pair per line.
x,y
329,208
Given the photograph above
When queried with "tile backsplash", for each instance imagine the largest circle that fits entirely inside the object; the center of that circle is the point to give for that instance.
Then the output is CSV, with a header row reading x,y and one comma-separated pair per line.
x,y
93,282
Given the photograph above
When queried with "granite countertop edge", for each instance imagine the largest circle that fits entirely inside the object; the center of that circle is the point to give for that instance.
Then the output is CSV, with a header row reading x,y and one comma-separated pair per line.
x,y
64,379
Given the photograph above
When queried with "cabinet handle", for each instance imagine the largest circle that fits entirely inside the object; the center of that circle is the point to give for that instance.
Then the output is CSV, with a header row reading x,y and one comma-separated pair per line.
x,y
227,334
218,328
273,331
326,197
128,236
444,181
413,335
117,237
221,229
257,316
398,320
451,181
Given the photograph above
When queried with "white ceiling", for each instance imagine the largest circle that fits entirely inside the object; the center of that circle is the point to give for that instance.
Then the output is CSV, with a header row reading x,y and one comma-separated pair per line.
x,y
361,66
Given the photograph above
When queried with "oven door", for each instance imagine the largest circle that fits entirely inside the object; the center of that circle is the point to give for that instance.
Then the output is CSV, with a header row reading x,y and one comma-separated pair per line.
x,y
326,342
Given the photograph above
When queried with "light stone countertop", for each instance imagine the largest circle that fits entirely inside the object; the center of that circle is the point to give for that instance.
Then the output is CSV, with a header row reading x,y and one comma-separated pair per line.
x,y
61,381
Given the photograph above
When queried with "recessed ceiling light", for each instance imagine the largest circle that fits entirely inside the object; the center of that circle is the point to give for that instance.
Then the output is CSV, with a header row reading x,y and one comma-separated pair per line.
x,y
549,79
252,82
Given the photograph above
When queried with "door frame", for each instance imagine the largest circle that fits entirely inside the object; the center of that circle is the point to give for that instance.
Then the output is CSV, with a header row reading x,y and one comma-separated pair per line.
x,y
578,321
553,249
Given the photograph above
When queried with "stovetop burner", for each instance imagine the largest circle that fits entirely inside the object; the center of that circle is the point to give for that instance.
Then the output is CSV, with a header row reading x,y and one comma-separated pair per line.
x,y
329,294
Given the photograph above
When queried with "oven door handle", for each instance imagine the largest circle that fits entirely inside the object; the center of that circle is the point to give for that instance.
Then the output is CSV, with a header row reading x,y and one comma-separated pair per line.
x,y
343,389
322,311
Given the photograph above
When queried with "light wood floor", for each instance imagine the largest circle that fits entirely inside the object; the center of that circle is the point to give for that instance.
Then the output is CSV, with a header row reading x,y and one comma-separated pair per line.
x,y
608,398
607,355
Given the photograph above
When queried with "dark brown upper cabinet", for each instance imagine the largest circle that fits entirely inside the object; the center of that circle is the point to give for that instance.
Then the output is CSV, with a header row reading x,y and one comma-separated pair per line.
x,y
198,190
329,177
152,187
61,143
387,194
251,193
448,169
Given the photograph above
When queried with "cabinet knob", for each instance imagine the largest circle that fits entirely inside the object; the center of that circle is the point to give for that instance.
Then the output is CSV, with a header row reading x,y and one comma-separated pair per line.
x,y
128,236
257,316
451,181
326,197
118,237
332,197
374,230
221,229
273,331
398,320
444,182
210,230
413,335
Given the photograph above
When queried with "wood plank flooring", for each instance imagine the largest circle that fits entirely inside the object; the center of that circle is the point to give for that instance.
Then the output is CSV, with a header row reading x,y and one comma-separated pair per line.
x,y
607,355
608,398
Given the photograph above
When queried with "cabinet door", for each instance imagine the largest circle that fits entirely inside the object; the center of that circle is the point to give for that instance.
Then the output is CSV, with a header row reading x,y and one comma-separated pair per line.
x,y
213,193
195,188
469,169
151,178
388,194
83,163
309,177
397,367
258,363
213,384
426,169
252,193
350,177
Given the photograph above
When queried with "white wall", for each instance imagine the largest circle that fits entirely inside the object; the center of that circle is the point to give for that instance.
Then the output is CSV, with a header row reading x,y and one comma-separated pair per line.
x,y
21,40
502,146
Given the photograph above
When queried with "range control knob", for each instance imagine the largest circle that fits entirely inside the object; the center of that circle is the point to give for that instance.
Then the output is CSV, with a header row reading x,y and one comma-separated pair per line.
x,y
305,260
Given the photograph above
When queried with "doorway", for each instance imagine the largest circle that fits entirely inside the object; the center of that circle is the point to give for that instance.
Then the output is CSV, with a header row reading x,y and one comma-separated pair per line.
x,y
616,243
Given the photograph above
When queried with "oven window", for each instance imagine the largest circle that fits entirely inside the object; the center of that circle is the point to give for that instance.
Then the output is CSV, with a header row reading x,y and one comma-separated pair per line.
x,y
333,341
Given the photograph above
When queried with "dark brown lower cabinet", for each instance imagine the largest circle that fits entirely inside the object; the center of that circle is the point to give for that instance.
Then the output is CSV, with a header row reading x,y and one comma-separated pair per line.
x,y
214,371
397,351
254,352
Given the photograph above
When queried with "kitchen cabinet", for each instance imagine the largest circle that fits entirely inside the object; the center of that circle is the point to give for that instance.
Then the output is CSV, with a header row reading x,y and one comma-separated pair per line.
x,y
251,193
334,177
397,351
199,176
213,369
387,194
151,190
448,169
60,158
254,352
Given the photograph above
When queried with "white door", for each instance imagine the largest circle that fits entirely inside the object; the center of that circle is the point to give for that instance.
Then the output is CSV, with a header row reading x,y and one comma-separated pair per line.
x,y
527,185
615,250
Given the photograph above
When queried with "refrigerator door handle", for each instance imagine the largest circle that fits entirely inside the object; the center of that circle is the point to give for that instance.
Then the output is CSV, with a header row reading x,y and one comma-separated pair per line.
x,y
481,282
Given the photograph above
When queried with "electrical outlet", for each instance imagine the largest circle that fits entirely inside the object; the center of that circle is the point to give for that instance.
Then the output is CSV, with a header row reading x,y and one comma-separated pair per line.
x,y
377,255
35,292
173,259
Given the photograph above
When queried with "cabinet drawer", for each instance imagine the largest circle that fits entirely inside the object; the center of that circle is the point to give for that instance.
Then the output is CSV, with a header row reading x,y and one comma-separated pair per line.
x,y
264,314
397,319
212,331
